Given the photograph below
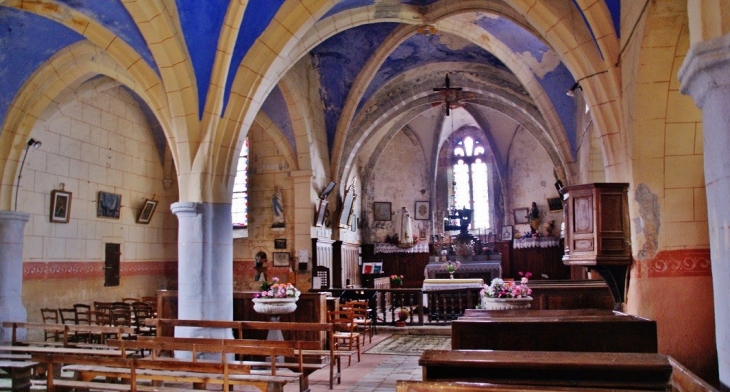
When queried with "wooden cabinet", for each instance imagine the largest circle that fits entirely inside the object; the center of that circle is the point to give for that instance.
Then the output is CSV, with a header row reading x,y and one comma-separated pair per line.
x,y
410,265
597,232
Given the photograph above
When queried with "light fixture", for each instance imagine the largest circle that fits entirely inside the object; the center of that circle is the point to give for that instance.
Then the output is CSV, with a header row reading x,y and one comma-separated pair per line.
x,y
571,91
36,144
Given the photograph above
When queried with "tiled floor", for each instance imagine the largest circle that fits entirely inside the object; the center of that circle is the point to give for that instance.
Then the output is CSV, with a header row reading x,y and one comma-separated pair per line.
x,y
374,372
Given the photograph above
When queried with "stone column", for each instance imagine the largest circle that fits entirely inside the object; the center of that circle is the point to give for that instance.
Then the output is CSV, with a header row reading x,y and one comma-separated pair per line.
x,y
705,76
205,266
11,271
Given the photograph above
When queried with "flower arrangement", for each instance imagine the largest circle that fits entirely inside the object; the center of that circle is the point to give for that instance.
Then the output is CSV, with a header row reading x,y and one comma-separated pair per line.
x,y
507,289
451,266
277,290
396,280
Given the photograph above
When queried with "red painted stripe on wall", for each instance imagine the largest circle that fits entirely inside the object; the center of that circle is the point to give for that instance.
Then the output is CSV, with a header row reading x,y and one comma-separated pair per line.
x,y
33,270
680,263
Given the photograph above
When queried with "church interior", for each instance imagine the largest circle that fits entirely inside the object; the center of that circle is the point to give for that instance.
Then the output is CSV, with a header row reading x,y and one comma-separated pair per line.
x,y
207,147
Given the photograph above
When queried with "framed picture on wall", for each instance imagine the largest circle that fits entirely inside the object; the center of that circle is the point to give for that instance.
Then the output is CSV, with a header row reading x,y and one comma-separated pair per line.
x,y
280,243
506,233
60,206
422,211
522,215
281,259
367,268
108,205
555,204
145,215
381,211
321,213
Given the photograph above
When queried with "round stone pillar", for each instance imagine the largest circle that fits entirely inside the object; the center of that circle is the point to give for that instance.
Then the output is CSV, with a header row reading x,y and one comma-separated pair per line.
x,y
705,76
11,271
205,266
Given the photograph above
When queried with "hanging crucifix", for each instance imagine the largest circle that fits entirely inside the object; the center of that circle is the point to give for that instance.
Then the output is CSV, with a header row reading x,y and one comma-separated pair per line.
x,y
451,94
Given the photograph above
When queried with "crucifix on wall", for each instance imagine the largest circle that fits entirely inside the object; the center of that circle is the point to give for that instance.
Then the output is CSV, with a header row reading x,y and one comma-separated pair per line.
x,y
451,94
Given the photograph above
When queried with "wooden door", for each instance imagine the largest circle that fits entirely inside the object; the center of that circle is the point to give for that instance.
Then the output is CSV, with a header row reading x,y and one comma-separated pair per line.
x,y
111,264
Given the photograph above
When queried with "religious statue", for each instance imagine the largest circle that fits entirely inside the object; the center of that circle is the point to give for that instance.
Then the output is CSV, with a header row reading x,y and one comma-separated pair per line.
x,y
406,230
278,208
534,218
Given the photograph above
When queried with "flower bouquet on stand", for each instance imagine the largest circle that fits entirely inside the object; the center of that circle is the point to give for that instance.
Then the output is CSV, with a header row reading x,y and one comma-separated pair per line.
x,y
506,294
396,280
451,266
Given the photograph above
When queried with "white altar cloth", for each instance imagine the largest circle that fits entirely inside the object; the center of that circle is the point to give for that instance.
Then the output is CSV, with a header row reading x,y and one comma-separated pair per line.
x,y
494,268
381,247
535,242
451,284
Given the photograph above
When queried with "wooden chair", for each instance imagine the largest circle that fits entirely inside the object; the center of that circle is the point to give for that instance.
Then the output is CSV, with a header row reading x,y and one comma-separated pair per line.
x,y
50,316
323,273
345,332
130,300
361,315
83,317
142,311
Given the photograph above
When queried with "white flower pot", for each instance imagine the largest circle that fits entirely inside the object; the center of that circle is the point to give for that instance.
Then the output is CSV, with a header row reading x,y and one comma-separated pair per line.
x,y
275,306
506,303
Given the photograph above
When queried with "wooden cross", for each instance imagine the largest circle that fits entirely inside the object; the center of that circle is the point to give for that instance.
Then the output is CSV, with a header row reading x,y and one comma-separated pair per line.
x,y
451,94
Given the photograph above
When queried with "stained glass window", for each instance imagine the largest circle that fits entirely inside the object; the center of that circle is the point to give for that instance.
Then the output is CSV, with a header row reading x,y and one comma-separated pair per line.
x,y
471,182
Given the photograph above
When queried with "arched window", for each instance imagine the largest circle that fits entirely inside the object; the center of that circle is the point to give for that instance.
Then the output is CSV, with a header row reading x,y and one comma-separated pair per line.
x,y
239,203
471,182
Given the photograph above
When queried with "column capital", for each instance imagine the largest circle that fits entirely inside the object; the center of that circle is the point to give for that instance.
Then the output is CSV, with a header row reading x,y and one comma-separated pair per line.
x,y
14,215
185,208
706,67
302,173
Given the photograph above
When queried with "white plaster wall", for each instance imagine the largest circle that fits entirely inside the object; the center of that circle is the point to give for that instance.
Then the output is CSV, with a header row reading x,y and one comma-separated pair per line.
x,y
267,171
531,179
99,141
398,178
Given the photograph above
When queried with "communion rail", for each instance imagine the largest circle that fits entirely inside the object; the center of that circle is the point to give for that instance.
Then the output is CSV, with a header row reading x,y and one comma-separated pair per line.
x,y
432,306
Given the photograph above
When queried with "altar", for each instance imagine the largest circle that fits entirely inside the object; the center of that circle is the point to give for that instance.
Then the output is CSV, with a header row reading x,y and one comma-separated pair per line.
x,y
484,270
452,284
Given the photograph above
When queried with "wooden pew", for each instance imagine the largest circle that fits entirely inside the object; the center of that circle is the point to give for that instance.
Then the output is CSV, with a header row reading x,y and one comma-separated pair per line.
x,y
161,369
66,330
544,330
645,371
314,334
161,345
19,373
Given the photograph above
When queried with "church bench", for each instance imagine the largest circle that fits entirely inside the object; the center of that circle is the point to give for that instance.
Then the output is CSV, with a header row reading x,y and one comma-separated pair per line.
x,y
461,386
588,333
646,371
160,369
314,334
257,349
19,373
66,330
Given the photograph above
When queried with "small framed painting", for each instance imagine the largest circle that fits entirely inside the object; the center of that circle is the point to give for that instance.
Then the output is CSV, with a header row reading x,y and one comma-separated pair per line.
x,y
555,204
367,268
381,211
422,210
506,233
378,267
281,259
522,215
321,213
145,215
280,243
60,206
108,205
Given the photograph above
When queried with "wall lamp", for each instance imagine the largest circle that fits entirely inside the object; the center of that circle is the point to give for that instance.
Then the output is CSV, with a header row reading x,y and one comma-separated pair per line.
x,y
571,91
31,143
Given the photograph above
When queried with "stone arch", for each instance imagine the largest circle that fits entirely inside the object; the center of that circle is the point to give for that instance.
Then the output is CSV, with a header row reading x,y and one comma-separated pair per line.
x,y
69,67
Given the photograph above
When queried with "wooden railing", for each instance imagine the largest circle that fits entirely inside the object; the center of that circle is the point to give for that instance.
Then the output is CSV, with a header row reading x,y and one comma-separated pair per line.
x,y
432,307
